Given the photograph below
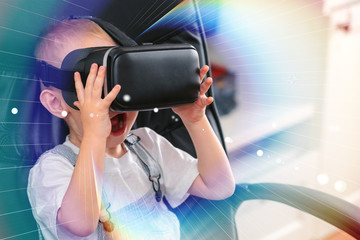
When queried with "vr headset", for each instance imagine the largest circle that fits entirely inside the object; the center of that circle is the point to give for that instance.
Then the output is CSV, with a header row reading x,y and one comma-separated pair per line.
x,y
150,76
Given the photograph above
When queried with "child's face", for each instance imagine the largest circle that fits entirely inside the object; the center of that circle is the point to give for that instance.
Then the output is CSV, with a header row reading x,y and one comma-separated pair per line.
x,y
121,122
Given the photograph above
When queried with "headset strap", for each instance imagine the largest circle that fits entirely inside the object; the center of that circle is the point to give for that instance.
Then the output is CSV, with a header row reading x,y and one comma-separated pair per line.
x,y
52,76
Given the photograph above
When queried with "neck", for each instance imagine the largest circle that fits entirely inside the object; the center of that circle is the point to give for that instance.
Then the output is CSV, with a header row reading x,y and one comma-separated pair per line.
x,y
116,152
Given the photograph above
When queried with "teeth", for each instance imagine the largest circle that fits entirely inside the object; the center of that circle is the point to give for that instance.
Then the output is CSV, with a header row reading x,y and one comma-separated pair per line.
x,y
121,124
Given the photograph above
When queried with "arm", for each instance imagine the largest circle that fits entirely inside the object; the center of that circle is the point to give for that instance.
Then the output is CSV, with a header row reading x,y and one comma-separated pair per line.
x,y
81,205
215,180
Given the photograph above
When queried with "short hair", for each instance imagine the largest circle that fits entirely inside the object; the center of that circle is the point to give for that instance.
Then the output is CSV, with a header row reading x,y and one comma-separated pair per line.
x,y
65,36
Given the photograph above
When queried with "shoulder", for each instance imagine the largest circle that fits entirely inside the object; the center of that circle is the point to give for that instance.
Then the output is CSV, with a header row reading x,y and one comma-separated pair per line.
x,y
50,161
148,135
158,144
144,131
50,174
54,155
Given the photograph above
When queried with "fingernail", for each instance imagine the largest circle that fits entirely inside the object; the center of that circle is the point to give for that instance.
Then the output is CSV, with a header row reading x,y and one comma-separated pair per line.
x,y
93,66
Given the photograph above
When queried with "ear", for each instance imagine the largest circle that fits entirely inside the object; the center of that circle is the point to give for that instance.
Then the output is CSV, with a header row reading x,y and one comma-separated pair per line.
x,y
53,101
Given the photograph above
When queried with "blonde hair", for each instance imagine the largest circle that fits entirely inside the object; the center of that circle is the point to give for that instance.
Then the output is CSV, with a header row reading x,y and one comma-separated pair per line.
x,y
66,36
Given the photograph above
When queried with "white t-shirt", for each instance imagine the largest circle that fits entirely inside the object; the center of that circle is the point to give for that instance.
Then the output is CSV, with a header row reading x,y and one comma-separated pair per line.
x,y
125,186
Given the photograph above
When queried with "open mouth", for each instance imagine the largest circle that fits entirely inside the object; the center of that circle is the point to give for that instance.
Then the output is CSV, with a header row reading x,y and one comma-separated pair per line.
x,y
118,124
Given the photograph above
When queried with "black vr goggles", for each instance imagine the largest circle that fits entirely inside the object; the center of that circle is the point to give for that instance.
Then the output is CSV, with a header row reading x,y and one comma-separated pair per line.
x,y
151,76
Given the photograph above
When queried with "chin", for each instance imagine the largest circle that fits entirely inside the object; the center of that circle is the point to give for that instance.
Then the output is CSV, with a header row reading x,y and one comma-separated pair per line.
x,y
121,123
113,141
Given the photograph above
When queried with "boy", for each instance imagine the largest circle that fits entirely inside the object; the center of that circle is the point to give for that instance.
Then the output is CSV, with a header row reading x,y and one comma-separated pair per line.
x,y
107,183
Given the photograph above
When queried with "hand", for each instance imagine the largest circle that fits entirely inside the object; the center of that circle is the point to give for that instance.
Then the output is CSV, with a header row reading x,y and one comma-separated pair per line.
x,y
195,111
94,110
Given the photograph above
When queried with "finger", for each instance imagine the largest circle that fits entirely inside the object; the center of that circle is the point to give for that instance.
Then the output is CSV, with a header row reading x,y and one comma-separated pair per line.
x,y
77,104
112,95
209,100
205,86
205,101
79,87
99,82
203,72
90,80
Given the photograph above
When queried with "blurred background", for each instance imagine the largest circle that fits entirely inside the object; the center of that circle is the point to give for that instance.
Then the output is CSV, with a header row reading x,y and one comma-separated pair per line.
x,y
292,107
287,88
